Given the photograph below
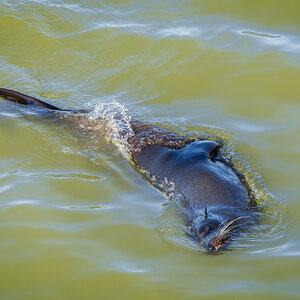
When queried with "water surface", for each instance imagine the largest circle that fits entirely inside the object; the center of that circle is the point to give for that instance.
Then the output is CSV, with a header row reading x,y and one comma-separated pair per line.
x,y
76,221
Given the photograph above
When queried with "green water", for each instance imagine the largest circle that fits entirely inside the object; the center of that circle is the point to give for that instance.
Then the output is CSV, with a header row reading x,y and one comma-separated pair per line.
x,y
76,221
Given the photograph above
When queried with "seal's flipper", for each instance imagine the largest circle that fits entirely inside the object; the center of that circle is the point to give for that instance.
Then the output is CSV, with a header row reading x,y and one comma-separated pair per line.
x,y
206,148
211,148
25,99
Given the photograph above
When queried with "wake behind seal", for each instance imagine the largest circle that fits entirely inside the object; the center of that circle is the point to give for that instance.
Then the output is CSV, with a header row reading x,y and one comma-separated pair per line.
x,y
218,201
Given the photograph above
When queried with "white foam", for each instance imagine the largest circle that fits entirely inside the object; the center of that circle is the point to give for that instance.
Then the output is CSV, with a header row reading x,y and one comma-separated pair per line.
x,y
116,124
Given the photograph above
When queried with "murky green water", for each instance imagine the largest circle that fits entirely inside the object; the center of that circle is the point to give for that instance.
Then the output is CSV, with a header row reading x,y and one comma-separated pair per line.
x,y
76,221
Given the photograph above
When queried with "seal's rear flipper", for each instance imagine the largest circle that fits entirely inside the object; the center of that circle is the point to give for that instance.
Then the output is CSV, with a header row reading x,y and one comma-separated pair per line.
x,y
24,99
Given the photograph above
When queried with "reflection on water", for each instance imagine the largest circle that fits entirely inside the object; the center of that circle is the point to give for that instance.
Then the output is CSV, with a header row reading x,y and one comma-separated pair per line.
x,y
76,220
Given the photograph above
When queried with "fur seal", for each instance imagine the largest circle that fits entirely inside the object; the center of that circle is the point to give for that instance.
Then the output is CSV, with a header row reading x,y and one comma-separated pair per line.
x,y
216,196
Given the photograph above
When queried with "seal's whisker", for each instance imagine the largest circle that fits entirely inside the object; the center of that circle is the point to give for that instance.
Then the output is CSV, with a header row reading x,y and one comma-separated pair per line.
x,y
226,228
224,234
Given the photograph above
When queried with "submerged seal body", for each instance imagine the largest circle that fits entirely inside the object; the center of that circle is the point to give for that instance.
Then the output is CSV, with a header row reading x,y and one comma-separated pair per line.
x,y
202,179
216,196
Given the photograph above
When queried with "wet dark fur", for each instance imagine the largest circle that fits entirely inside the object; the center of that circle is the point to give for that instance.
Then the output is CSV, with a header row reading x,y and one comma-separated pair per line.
x,y
217,197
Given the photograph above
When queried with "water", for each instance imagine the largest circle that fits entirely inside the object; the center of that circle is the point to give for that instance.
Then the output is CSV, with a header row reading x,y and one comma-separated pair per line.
x,y
76,220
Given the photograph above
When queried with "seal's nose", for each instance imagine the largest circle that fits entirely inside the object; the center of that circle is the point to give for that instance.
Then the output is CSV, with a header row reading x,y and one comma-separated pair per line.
x,y
211,246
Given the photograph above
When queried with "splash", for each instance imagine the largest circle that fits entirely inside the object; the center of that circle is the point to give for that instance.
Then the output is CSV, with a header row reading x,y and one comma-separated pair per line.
x,y
114,123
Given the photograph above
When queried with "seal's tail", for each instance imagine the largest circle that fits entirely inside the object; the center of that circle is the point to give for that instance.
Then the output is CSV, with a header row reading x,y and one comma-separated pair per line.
x,y
24,99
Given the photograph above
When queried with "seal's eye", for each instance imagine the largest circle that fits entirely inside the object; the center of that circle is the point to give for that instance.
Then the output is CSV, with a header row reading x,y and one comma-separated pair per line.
x,y
205,229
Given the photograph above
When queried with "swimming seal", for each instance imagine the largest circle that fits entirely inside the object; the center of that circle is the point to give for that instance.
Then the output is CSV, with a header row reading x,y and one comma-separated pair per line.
x,y
217,199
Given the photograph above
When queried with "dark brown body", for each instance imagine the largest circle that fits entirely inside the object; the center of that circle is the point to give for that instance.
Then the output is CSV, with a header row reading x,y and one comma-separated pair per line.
x,y
219,203
202,178
216,196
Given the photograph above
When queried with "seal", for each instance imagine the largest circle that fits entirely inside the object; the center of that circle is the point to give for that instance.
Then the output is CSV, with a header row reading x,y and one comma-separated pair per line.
x,y
218,201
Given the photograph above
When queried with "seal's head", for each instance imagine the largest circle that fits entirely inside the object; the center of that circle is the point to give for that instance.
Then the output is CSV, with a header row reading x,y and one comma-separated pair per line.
x,y
215,230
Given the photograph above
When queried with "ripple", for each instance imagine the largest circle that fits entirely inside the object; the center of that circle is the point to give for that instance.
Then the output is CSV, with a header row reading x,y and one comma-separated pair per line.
x,y
65,176
131,267
5,188
18,202
259,34
180,31
90,207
